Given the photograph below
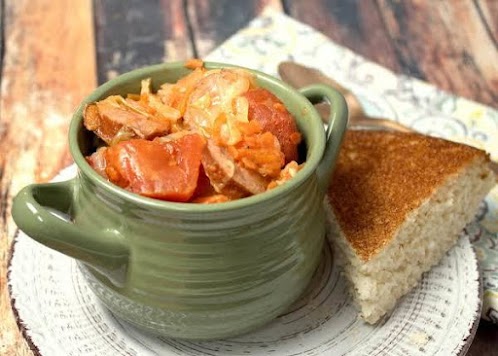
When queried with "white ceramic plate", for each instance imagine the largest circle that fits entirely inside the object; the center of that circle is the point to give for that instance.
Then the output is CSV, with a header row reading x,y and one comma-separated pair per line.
x,y
60,316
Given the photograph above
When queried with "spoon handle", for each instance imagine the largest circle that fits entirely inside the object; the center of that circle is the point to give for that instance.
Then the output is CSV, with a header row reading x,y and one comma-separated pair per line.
x,y
298,76
371,122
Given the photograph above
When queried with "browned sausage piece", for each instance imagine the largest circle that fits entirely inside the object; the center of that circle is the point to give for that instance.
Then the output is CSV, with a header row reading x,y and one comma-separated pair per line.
x,y
272,115
97,161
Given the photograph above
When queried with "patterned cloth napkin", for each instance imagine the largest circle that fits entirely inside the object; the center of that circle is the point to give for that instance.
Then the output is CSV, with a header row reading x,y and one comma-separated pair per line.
x,y
274,37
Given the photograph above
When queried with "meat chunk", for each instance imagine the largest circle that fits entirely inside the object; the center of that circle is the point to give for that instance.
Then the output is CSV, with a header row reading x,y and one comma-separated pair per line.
x,y
115,119
272,115
166,170
227,177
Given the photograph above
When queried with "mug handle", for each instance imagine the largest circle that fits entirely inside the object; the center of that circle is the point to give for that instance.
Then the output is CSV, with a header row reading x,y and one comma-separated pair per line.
x,y
31,212
337,123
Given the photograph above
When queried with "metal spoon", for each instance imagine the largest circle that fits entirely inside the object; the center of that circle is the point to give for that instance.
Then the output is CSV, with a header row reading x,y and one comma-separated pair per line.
x,y
300,76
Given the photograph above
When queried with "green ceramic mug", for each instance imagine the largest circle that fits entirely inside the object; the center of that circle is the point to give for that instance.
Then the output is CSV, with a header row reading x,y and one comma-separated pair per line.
x,y
191,270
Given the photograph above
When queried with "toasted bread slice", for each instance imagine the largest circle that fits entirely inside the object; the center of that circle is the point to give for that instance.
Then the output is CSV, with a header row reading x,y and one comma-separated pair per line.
x,y
398,203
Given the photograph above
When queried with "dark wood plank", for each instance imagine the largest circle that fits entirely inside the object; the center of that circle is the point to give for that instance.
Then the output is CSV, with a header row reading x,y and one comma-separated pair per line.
x,y
2,15
355,24
488,9
134,33
449,43
48,68
177,41
213,21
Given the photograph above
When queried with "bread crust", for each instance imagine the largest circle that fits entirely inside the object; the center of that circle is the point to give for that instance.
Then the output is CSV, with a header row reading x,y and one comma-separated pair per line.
x,y
368,210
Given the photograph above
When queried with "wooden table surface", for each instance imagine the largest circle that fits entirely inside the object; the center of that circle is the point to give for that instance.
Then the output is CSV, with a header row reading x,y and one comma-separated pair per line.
x,y
54,52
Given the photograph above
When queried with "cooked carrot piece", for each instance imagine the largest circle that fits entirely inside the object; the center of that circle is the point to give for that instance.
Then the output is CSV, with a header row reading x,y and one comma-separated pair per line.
x,y
194,63
166,170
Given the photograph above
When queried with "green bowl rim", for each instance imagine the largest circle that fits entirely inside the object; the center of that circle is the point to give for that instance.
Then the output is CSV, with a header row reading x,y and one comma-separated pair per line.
x,y
309,168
